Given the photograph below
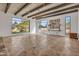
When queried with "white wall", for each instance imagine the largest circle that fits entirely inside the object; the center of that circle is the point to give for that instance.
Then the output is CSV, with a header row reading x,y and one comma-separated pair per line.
x,y
32,26
5,24
78,23
74,23
37,26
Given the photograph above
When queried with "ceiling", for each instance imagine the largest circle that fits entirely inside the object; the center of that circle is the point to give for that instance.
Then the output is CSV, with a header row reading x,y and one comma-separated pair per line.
x,y
38,10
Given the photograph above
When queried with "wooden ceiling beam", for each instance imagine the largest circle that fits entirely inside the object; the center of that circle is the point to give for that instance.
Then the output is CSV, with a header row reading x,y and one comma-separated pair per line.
x,y
56,7
7,7
41,6
25,5
76,10
77,6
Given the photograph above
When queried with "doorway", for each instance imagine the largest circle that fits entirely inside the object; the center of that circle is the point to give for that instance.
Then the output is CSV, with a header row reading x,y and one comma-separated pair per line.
x,y
67,25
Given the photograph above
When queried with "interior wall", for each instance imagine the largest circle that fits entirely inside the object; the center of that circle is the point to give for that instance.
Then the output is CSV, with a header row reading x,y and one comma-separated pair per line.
x,y
74,23
32,26
37,26
78,23
5,24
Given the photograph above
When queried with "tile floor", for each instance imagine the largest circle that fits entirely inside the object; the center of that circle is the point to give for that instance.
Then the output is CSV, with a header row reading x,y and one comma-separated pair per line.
x,y
41,45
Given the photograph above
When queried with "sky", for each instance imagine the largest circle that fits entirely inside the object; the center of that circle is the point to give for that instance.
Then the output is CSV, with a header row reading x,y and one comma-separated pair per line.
x,y
18,20
68,19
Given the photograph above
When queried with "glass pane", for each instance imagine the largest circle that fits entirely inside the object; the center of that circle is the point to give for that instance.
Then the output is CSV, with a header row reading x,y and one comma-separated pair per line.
x,y
43,26
68,24
19,26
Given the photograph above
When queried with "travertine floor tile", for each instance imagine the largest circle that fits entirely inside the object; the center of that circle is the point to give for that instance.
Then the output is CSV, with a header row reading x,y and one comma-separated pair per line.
x,y
41,45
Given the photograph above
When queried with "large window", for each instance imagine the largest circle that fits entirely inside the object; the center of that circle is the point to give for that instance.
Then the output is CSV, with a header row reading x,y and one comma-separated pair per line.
x,y
19,26
43,24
